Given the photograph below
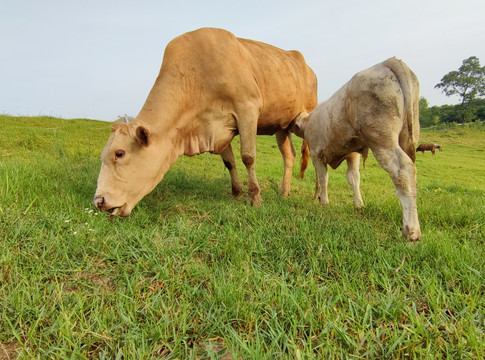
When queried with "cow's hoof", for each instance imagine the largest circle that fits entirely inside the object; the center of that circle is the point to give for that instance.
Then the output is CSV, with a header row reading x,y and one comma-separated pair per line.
x,y
256,201
284,194
237,191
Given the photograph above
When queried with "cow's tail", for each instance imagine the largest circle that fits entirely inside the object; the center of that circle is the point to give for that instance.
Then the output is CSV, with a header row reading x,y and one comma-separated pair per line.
x,y
409,136
305,153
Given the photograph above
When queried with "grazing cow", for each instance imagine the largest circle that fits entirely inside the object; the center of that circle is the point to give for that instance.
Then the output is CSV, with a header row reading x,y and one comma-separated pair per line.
x,y
426,147
377,109
211,87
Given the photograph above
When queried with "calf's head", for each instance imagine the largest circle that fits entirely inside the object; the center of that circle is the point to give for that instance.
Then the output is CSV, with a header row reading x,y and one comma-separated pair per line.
x,y
299,124
130,169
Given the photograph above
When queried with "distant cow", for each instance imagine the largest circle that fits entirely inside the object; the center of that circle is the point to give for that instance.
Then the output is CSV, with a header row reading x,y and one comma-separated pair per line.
x,y
377,109
211,87
426,147
125,118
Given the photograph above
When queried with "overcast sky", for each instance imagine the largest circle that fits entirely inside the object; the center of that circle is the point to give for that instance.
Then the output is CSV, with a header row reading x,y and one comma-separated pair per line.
x,y
99,58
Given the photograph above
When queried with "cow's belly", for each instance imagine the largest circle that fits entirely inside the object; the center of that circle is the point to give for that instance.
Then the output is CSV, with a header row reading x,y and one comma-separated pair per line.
x,y
334,150
272,126
269,130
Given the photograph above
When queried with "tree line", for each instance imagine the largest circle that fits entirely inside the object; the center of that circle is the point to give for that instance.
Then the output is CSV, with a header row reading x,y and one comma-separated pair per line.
x,y
445,114
468,82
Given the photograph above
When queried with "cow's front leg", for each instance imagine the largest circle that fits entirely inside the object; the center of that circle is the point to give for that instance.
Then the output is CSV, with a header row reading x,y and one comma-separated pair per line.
x,y
322,179
283,137
353,178
230,163
247,131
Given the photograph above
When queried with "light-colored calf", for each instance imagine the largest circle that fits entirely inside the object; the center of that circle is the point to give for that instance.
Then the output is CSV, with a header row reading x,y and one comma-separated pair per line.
x,y
377,109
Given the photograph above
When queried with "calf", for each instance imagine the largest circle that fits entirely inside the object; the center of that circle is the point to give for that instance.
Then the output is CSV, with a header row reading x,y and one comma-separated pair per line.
x,y
377,109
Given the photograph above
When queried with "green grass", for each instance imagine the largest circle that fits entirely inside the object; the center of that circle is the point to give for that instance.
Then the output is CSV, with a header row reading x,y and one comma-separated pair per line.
x,y
193,273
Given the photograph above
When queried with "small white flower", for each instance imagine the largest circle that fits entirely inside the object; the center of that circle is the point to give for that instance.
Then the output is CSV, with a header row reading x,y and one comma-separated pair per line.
x,y
96,214
66,221
86,209
86,224
74,233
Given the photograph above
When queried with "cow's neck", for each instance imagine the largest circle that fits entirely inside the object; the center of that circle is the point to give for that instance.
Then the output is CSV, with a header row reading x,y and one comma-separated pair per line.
x,y
171,114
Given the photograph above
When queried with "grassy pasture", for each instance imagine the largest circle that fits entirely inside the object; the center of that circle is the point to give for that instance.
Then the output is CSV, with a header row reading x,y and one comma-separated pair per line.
x,y
193,273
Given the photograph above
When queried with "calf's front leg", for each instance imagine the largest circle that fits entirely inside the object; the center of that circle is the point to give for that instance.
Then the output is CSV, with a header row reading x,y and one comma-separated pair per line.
x,y
353,178
322,179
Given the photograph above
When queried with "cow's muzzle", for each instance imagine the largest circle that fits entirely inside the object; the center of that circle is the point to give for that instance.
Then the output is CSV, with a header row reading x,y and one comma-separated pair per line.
x,y
101,203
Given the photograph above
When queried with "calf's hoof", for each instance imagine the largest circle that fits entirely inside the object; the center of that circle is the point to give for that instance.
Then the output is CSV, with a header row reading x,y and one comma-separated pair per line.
x,y
412,234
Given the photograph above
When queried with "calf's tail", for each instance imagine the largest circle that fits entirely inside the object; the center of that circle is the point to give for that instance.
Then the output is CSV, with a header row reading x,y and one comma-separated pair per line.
x,y
409,135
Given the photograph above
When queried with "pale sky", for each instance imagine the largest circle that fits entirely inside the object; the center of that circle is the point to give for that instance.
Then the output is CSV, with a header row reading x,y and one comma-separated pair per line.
x,y
98,59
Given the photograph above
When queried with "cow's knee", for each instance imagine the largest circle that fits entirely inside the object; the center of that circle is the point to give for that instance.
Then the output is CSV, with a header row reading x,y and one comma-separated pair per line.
x,y
247,160
228,165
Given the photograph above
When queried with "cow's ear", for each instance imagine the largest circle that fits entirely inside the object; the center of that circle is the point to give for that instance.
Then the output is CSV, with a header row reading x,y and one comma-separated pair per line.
x,y
143,135
299,124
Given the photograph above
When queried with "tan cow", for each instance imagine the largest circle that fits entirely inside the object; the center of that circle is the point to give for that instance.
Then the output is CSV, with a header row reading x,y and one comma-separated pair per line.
x,y
377,109
211,87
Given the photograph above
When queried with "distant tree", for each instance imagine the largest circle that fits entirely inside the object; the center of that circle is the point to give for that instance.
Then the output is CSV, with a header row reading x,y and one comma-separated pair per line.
x,y
435,113
450,113
468,83
479,105
425,118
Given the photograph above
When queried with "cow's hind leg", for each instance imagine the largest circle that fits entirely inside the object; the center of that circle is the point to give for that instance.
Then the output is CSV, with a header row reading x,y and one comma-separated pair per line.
x,y
230,163
403,173
353,178
283,137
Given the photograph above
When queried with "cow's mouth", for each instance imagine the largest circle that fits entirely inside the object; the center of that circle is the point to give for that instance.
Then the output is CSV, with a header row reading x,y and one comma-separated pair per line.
x,y
118,211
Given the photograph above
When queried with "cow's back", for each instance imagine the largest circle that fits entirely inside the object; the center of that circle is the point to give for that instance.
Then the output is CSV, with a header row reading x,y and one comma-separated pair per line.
x,y
287,84
209,64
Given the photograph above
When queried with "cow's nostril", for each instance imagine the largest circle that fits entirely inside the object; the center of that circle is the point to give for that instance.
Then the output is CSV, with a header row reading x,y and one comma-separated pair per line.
x,y
98,201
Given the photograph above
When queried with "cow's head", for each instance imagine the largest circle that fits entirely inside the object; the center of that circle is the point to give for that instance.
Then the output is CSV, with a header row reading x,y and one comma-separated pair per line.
x,y
130,169
299,124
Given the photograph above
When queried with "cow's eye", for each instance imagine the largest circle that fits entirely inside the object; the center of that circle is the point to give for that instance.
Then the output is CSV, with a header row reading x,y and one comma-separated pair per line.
x,y
119,154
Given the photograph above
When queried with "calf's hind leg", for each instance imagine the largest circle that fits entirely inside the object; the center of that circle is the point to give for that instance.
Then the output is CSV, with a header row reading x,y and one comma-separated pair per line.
x,y
402,171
